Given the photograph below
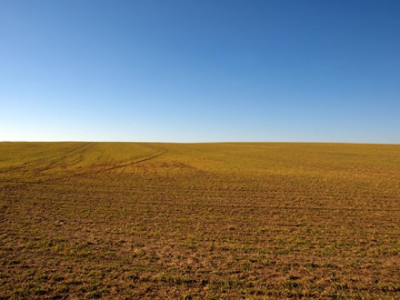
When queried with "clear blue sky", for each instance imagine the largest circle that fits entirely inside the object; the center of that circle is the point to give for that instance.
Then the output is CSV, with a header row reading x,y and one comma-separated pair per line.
x,y
191,71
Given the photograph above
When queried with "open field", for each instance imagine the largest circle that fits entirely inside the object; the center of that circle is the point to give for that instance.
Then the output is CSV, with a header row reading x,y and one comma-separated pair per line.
x,y
231,220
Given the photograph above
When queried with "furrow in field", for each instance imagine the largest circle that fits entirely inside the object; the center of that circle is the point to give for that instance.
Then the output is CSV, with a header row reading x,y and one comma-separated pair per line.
x,y
48,160
57,160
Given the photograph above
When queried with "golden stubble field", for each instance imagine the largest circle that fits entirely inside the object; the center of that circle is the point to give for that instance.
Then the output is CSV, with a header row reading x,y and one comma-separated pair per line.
x,y
199,221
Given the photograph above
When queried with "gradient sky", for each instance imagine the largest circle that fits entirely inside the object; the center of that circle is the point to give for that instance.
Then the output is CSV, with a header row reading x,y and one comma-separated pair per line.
x,y
192,71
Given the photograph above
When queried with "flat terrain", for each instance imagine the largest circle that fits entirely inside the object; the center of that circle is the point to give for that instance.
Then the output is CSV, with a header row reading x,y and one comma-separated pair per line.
x,y
209,221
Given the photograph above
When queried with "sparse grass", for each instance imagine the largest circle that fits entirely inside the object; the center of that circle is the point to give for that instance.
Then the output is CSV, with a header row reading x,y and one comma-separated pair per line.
x,y
199,221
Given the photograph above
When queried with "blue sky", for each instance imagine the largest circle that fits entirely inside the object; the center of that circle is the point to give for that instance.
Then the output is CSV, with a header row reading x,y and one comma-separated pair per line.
x,y
193,71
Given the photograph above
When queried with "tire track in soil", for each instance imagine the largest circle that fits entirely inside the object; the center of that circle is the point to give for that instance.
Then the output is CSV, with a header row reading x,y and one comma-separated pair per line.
x,y
147,157
53,159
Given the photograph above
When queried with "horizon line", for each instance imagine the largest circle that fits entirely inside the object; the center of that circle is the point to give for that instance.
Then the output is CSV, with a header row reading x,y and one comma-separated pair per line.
x,y
201,142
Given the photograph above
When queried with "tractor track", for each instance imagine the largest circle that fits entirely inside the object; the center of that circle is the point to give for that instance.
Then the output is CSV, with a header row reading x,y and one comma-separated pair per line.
x,y
140,159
